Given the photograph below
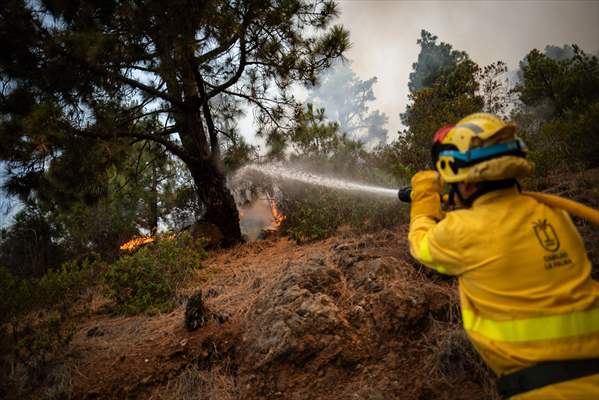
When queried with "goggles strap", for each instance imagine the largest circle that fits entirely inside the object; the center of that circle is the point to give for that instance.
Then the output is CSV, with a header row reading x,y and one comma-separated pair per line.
x,y
474,156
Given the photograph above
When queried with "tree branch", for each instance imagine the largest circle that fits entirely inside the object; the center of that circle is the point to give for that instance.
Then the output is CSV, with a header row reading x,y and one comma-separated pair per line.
x,y
217,50
206,109
242,64
258,104
138,85
170,146
143,69
134,116
231,138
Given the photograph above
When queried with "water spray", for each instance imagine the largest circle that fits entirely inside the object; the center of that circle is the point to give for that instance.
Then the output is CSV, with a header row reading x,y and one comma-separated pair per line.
x,y
281,171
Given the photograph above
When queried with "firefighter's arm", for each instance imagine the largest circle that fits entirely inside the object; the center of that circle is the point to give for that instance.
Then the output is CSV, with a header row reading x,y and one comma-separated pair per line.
x,y
431,239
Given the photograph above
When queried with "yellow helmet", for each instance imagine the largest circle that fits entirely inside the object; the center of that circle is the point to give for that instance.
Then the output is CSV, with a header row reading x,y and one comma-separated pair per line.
x,y
481,147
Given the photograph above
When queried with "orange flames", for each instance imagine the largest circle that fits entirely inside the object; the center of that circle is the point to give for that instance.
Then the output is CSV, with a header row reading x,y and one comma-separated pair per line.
x,y
276,214
136,242
139,241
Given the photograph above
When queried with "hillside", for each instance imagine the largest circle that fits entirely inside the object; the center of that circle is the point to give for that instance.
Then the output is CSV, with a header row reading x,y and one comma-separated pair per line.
x,y
350,317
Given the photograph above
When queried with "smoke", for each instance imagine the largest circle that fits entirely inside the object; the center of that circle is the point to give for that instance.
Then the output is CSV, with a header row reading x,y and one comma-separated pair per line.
x,y
346,100
254,217
254,194
555,53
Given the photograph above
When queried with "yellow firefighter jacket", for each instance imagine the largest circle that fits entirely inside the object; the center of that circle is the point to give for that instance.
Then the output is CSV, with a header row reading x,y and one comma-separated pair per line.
x,y
524,281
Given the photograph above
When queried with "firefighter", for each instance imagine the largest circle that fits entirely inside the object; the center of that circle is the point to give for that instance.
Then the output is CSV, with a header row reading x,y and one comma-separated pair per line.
x,y
529,304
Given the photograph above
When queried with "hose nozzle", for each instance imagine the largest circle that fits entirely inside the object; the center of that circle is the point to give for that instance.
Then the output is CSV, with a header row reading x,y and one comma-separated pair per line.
x,y
405,194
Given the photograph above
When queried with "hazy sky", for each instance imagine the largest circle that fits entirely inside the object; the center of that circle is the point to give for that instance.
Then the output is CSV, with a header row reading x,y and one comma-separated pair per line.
x,y
384,33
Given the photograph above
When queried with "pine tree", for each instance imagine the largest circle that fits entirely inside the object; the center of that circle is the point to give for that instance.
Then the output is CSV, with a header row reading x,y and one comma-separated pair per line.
x,y
444,88
78,74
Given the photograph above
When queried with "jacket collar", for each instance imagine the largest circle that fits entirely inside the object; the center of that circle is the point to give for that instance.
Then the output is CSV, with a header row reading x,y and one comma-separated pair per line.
x,y
491,197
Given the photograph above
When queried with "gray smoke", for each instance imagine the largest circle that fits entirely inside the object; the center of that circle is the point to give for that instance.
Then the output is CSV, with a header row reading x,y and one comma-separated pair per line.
x,y
346,100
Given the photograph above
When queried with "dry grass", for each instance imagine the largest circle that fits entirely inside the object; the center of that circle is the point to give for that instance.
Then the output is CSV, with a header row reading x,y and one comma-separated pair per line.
x,y
457,359
60,383
135,354
39,378
247,271
194,383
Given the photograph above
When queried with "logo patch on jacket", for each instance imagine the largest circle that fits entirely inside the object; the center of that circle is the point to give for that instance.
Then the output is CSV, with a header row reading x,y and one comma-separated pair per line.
x,y
546,235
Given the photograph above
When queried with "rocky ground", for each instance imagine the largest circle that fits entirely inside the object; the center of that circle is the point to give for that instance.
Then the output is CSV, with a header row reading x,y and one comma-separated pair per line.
x,y
351,317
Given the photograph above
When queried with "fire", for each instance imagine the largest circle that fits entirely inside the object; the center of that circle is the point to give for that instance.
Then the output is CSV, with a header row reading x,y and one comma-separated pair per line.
x,y
260,218
136,242
276,214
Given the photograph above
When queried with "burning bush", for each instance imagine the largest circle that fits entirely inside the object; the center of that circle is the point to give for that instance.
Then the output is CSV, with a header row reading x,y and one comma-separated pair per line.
x,y
148,279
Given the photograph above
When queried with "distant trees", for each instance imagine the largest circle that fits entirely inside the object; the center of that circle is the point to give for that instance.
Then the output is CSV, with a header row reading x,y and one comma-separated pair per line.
x,y
555,104
560,53
495,89
345,99
80,79
313,135
559,109
444,87
434,60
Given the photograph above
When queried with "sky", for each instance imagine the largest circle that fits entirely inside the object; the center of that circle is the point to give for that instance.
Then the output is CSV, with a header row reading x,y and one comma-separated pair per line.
x,y
384,33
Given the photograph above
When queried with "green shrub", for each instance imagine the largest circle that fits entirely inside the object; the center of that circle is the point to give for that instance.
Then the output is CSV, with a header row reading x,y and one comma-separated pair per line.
x,y
148,279
67,283
20,296
16,296
35,337
315,213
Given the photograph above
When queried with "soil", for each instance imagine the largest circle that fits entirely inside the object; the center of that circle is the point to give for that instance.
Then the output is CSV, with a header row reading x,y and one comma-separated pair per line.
x,y
350,317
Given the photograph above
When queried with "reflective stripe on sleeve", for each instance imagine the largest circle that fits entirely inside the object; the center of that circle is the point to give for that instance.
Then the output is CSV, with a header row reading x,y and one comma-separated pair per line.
x,y
425,255
541,328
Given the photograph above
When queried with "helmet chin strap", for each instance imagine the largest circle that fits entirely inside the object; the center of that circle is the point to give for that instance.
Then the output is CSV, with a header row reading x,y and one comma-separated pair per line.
x,y
485,187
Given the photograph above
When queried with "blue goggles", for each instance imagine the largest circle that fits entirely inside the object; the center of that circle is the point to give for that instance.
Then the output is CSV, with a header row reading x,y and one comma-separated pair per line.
x,y
514,147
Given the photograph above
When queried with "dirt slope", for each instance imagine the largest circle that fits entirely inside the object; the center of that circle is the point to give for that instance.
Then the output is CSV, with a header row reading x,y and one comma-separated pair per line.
x,y
350,317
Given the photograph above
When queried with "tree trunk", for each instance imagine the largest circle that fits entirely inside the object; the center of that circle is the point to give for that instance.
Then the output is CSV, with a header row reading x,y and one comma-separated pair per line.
x,y
209,181
221,209
153,203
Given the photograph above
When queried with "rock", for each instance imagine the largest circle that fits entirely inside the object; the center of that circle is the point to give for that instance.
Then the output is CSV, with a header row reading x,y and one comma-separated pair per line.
x,y
196,314
299,320
346,246
371,274
403,312
312,275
